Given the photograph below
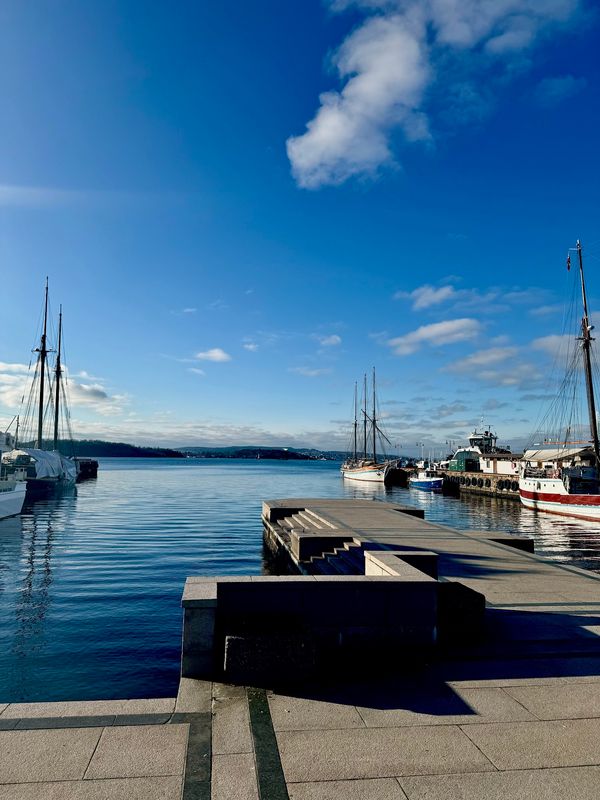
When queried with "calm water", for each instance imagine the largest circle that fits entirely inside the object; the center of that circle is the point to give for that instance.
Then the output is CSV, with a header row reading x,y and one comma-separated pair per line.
x,y
91,581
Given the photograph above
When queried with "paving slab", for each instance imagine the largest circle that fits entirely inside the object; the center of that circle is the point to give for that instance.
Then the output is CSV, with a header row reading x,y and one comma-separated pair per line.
x,y
231,725
168,788
89,708
377,753
140,751
58,755
234,777
536,745
572,701
299,713
193,696
446,706
575,783
371,789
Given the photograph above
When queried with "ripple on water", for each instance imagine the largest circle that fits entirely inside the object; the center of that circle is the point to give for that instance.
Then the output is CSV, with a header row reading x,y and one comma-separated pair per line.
x,y
91,581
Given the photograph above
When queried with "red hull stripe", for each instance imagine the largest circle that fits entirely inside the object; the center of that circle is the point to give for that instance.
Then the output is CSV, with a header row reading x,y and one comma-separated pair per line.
x,y
563,499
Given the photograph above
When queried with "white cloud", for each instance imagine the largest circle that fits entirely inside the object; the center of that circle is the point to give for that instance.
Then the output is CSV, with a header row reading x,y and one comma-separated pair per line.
x,y
482,358
436,335
214,354
552,91
309,372
196,371
330,341
554,344
390,62
189,310
252,347
427,296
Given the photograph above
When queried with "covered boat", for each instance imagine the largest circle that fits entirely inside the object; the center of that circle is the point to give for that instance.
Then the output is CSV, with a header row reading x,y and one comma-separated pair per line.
x,y
561,475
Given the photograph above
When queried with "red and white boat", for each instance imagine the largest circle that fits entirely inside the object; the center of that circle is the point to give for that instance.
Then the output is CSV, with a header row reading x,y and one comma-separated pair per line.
x,y
562,477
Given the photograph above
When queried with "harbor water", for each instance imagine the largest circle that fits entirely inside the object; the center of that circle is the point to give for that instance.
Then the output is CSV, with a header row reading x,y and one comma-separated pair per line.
x,y
91,580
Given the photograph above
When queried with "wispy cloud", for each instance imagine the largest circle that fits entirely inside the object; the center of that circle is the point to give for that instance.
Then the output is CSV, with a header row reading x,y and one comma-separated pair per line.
x,y
482,358
330,341
214,354
310,372
427,296
252,347
189,310
554,344
196,371
389,65
437,334
552,91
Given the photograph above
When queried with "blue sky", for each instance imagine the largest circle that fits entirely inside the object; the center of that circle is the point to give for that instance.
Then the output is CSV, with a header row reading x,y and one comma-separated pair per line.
x,y
245,206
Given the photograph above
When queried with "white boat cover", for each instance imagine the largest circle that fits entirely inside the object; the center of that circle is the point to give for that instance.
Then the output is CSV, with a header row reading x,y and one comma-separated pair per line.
x,y
48,463
554,453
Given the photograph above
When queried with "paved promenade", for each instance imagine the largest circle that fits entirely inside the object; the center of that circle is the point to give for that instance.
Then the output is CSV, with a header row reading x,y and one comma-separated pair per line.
x,y
514,716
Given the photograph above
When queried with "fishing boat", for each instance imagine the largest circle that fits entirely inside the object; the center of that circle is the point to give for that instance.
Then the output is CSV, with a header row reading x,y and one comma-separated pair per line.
x,y
366,465
427,480
561,476
44,469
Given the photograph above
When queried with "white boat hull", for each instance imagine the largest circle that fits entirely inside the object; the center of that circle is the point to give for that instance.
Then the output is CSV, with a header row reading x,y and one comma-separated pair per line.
x,y
550,495
11,499
365,474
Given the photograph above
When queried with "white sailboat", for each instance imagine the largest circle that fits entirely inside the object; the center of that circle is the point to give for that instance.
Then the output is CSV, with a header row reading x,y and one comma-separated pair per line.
x,y
562,476
44,469
367,467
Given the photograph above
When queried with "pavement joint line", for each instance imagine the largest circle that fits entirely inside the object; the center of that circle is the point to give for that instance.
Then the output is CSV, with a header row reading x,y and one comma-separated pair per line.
x,y
87,721
269,771
198,759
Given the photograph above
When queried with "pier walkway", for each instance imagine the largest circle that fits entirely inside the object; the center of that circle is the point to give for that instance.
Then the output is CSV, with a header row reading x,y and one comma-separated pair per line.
x,y
512,714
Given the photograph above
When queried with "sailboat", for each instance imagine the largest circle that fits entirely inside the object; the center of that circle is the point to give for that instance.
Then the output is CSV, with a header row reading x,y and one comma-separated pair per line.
x,y
12,486
562,476
44,469
365,466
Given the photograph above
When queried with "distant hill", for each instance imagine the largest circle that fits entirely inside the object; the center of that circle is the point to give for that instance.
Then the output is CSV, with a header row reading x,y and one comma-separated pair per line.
x,y
94,448
278,453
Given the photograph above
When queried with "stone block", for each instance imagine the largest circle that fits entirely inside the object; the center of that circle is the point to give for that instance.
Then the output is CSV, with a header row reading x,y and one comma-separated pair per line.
x,y
310,545
139,751
46,755
461,612
257,659
386,562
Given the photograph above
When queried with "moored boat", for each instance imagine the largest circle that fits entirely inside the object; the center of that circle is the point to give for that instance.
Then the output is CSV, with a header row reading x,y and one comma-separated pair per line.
x,y
427,480
562,476
44,469
368,467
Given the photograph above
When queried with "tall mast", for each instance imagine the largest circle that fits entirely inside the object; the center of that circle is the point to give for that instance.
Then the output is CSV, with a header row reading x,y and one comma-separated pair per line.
x,y
365,420
586,336
355,419
43,351
58,374
374,422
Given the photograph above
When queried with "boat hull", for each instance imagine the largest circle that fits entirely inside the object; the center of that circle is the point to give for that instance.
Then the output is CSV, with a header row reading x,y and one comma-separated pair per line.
x,y
365,474
550,495
432,485
11,500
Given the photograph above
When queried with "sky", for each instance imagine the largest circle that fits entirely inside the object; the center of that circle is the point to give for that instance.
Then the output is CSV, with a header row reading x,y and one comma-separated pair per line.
x,y
244,207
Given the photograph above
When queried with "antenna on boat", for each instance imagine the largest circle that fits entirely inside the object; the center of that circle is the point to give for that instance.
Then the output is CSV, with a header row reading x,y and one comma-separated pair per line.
x,y
58,373
587,339
365,419
43,351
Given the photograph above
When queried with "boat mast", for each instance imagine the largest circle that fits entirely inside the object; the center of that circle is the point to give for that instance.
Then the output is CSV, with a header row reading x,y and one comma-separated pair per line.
x,y
586,337
374,422
58,374
355,419
365,420
42,350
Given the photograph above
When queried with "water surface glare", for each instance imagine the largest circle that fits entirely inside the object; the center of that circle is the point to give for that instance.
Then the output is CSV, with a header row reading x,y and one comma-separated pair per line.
x,y
91,580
